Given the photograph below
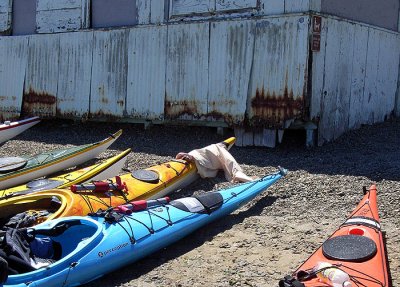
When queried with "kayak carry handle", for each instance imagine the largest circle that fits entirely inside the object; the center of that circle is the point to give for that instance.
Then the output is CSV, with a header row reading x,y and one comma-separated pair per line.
x,y
139,205
101,186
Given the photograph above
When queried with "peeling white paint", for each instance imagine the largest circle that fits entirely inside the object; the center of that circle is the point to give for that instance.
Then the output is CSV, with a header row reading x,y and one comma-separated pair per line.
x,y
41,76
146,73
61,16
73,91
109,73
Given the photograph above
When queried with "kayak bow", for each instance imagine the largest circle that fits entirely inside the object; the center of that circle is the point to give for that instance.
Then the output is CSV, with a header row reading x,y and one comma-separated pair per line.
x,y
8,130
357,248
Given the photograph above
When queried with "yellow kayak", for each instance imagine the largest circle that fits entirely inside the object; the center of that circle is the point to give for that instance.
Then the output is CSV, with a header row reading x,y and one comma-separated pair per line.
x,y
99,171
153,182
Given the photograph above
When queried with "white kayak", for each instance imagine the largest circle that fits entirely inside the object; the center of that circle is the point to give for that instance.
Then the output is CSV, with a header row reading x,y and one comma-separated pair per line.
x,y
8,129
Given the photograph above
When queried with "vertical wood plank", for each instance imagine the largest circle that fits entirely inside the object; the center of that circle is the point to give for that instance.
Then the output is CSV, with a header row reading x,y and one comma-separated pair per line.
x,y
371,74
344,71
360,41
387,74
329,98
318,74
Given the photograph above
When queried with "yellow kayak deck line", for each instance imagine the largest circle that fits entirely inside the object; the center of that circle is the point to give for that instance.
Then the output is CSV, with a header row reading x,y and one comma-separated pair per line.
x,y
172,175
73,177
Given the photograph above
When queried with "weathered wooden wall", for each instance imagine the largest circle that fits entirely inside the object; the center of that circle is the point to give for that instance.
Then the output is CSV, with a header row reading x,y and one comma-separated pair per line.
x,y
208,71
354,76
255,74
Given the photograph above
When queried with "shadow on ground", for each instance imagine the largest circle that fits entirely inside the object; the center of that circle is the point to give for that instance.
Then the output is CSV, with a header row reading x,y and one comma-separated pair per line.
x,y
181,247
371,151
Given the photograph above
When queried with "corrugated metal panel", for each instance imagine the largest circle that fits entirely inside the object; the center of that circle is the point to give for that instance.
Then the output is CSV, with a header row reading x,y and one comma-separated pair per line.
x,y
381,74
371,74
146,72
388,72
232,5
359,74
338,69
60,16
109,72
278,81
359,59
231,54
13,52
75,74
187,71
41,77
5,16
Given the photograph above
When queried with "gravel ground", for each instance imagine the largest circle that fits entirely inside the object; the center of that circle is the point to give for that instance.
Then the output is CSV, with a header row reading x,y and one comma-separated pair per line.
x,y
269,237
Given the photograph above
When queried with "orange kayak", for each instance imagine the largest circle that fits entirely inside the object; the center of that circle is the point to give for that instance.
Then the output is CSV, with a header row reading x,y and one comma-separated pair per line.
x,y
356,252
151,183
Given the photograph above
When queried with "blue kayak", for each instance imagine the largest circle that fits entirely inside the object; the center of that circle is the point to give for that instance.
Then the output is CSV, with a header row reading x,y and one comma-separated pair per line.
x,y
92,246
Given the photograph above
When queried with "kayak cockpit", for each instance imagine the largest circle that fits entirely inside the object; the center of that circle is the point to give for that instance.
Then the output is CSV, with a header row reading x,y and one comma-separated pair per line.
x,y
30,210
62,241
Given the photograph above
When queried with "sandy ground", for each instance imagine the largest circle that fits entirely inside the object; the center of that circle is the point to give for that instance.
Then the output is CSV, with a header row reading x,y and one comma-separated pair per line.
x,y
269,237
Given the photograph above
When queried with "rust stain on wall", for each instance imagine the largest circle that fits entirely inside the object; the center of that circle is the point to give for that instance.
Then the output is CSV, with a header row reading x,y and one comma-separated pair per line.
x,y
177,109
39,98
180,109
272,110
39,103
